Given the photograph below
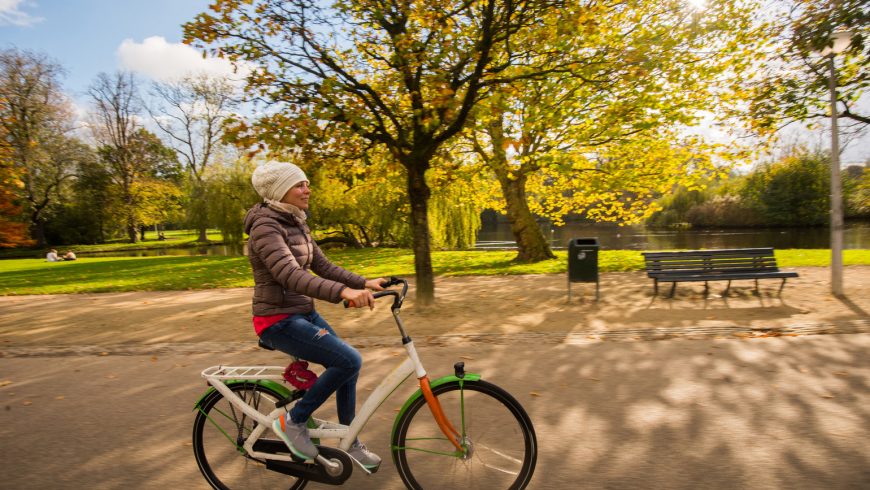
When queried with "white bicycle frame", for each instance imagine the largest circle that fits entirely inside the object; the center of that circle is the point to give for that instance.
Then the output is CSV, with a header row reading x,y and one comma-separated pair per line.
x,y
218,375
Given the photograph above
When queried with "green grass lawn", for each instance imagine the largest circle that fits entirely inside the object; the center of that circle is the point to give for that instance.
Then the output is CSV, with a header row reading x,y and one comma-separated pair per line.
x,y
174,239
167,273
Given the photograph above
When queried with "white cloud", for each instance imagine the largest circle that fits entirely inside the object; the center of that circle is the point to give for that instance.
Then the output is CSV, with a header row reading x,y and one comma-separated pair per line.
x,y
10,15
164,61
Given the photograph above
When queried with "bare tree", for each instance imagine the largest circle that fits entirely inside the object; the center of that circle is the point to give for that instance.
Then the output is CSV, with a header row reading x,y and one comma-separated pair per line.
x,y
191,113
115,121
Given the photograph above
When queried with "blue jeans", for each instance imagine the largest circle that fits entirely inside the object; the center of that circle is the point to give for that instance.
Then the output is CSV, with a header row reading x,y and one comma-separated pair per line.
x,y
308,336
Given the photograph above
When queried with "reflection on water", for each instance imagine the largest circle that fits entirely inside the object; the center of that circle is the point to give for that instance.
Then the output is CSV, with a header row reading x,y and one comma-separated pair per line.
x,y
855,235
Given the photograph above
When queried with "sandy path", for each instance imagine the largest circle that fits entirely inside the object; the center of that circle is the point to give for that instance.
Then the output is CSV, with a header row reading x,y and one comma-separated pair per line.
x,y
483,306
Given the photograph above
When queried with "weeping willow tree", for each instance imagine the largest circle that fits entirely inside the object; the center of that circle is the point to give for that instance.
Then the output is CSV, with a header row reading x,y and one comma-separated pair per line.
x,y
230,195
462,192
363,202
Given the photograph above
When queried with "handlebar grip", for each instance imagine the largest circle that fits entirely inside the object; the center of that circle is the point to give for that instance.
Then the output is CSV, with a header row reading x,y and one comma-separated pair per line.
x,y
392,281
380,294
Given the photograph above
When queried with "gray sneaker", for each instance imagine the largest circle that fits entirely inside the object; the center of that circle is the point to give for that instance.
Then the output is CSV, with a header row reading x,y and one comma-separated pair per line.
x,y
295,436
365,457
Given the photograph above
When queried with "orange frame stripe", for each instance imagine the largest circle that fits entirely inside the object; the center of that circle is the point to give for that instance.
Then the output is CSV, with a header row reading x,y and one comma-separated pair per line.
x,y
438,413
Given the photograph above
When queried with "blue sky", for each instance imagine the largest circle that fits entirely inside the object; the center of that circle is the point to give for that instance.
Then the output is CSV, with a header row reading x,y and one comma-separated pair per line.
x,y
91,36
85,36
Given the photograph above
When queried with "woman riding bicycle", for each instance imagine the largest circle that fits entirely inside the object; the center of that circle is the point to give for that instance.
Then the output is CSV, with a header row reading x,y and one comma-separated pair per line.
x,y
283,257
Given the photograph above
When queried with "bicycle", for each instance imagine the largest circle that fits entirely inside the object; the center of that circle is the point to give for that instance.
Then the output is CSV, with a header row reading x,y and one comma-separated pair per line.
x,y
478,435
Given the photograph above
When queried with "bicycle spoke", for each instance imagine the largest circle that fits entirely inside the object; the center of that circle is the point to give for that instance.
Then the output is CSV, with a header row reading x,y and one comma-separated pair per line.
x,y
226,465
500,446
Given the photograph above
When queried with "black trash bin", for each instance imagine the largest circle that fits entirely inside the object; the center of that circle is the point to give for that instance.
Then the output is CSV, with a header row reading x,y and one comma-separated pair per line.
x,y
583,262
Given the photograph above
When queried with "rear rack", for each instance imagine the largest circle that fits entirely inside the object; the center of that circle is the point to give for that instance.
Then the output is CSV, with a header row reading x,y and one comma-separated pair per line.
x,y
244,372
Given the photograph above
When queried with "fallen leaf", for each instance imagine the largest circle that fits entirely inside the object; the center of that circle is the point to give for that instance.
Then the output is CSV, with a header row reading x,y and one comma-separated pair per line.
x,y
153,358
828,396
534,393
27,403
59,397
5,382
467,358
104,353
838,373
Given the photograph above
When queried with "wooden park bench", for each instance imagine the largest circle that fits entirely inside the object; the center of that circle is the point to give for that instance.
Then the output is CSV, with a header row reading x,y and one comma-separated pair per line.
x,y
714,265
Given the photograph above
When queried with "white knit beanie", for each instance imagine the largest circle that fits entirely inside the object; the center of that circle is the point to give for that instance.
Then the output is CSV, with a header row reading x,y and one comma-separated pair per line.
x,y
273,179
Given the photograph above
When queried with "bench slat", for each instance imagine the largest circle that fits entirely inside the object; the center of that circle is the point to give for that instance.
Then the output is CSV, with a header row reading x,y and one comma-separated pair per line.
x,y
723,277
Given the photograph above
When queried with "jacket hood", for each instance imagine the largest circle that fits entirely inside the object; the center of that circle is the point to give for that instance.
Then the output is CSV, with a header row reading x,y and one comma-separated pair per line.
x,y
262,210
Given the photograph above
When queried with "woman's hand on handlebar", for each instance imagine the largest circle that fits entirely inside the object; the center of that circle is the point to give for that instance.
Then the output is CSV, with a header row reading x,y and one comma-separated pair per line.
x,y
376,284
358,298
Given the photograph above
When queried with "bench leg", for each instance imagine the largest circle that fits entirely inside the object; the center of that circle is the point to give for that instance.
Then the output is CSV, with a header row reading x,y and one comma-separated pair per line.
x,y
673,288
706,288
727,288
655,287
757,292
781,286
597,291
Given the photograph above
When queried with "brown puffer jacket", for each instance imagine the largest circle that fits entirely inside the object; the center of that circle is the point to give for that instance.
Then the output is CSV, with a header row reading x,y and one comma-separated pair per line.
x,y
283,255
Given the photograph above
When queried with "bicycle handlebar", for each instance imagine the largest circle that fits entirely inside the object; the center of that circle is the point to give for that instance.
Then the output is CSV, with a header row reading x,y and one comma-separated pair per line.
x,y
399,297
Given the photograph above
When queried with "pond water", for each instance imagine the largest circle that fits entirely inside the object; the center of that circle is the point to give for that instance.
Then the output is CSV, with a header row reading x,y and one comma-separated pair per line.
x,y
612,237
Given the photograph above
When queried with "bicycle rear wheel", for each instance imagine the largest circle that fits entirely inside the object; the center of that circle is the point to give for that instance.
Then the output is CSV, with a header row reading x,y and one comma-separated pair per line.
x,y
220,429
501,445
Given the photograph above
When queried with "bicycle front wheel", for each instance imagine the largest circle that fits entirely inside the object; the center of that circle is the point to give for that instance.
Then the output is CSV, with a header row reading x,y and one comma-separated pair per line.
x,y
501,447
219,431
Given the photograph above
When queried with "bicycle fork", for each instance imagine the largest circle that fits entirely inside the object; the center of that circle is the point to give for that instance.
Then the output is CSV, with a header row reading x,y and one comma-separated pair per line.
x,y
431,400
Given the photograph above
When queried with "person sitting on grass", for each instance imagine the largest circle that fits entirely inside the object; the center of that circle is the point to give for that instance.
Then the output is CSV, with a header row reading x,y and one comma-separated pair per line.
x,y
51,256
69,255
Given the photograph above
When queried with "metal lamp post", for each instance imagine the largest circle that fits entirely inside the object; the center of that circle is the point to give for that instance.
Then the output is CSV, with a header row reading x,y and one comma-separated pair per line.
x,y
840,40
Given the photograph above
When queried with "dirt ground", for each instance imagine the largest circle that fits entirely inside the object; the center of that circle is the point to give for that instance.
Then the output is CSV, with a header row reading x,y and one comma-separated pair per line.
x,y
482,308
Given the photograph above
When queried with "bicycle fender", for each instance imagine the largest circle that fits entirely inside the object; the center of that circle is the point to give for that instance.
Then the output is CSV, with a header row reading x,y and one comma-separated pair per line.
x,y
267,383
434,384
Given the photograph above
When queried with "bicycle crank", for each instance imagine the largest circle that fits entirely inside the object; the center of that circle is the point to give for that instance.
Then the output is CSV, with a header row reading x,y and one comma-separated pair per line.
x,y
337,469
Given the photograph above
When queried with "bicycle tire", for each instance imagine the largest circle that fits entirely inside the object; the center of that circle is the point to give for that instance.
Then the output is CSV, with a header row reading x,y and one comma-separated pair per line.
x,y
491,422
221,460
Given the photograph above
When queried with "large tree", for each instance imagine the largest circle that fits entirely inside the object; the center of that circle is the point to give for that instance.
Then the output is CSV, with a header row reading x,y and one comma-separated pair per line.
x,y
116,116
191,112
604,139
13,232
36,118
793,85
403,75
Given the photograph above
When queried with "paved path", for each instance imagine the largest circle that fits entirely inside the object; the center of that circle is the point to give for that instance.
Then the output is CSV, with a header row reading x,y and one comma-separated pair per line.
x,y
758,413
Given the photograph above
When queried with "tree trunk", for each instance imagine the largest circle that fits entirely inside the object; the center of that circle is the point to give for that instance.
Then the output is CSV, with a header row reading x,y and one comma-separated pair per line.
x,y
132,229
132,232
418,194
202,235
532,246
37,231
